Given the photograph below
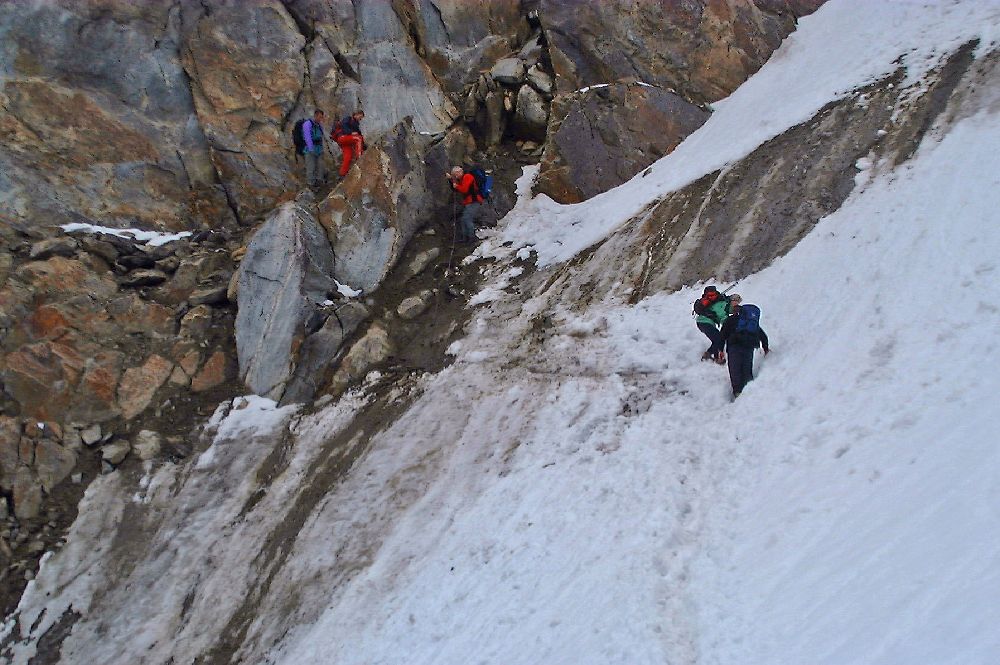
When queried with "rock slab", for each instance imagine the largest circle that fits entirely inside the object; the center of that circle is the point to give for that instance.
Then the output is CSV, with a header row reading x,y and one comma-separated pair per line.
x,y
601,138
287,271
139,384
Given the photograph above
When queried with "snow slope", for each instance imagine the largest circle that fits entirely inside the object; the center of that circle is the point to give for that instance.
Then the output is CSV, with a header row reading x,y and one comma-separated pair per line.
x,y
591,494
844,510
865,521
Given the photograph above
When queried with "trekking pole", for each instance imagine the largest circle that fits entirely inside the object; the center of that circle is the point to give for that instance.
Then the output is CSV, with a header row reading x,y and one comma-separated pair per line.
x,y
730,286
454,235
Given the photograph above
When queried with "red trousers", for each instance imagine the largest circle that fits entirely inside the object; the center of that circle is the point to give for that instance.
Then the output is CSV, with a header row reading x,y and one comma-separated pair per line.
x,y
353,147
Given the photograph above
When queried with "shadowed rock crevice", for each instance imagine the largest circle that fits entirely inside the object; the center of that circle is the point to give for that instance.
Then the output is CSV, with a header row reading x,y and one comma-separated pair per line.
x,y
345,66
306,27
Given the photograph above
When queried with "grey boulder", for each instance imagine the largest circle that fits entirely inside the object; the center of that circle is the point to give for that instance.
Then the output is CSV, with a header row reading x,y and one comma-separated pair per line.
x,y
286,272
116,451
601,138
147,444
540,81
414,306
509,71
53,247
214,295
532,114
144,278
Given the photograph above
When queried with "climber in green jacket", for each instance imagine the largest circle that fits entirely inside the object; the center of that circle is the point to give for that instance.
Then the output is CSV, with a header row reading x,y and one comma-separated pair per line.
x,y
712,309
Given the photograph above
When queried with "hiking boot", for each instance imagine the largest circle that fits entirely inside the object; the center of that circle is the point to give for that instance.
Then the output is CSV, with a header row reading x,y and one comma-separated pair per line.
x,y
721,358
706,356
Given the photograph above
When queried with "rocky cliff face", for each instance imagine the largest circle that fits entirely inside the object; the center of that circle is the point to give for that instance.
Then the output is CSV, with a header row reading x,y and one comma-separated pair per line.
x,y
177,117
102,337
686,55
98,118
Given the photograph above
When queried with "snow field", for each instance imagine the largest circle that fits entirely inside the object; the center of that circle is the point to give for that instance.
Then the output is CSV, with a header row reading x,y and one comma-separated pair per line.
x,y
604,502
867,523
608,504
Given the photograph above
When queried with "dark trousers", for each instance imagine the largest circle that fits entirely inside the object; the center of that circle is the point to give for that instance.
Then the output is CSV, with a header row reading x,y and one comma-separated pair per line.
x,y
467,227
714,336
740,367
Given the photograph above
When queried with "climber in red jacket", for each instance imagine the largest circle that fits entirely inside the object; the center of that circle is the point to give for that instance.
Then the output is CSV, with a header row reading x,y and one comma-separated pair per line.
x,y
465,184
347,134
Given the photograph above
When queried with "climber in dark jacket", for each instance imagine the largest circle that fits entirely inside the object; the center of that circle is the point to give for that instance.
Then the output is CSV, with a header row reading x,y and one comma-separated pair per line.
x,y
348,136
740,346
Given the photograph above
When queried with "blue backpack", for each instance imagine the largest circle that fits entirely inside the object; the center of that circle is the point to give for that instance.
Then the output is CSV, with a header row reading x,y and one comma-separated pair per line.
x,y
484,181
747,325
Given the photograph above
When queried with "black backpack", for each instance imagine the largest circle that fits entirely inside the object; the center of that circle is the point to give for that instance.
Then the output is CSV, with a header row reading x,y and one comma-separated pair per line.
x,y
297,138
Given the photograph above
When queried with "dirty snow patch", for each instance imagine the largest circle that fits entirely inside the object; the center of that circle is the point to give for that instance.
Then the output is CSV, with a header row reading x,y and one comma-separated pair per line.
x,y
588,88
347,291
150,238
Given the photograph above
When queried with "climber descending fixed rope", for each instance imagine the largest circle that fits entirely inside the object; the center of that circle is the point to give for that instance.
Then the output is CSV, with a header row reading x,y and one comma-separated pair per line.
x,y
474,192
